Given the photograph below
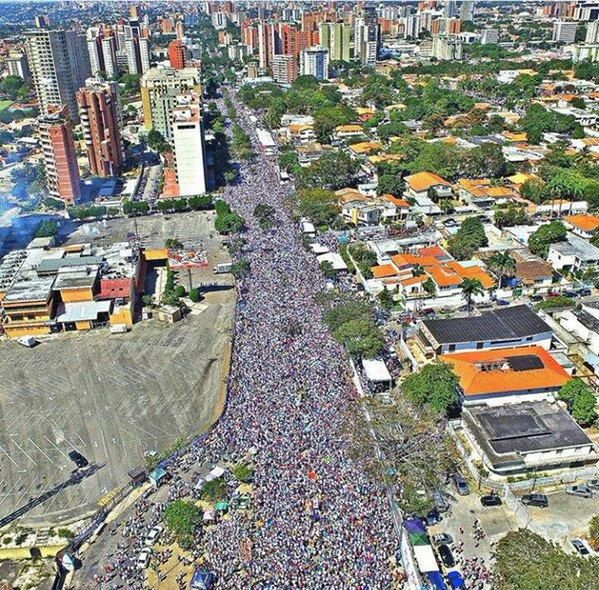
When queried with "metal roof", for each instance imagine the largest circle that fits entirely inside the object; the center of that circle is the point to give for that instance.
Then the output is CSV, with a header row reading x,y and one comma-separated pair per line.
x,y
83,311
511,323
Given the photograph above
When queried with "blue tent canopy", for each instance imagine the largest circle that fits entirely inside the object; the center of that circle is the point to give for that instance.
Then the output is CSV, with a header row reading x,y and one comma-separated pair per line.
x,y
202,580
157,475
436,579
456,580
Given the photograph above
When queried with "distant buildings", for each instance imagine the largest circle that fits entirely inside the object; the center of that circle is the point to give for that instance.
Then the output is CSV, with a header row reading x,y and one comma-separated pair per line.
x,y
284,68
447,47
188,145
18,66
177,54
100,113
564,31
59,65
315,62
60,160
159,89
489,36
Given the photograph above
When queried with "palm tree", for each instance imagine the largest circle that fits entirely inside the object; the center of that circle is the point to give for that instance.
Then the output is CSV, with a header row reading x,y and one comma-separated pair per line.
x,y
470,288
503,264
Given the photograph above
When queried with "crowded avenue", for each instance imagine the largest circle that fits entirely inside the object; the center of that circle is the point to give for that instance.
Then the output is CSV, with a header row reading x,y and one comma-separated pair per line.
x,y
318,521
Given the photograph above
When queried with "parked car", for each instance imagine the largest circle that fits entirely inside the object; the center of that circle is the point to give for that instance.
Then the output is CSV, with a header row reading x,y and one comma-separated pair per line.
x,y
446,555
441,503
78,459
581,547
571,294
539,500
491,500
584,292
536,298
593,484
580,490
153,535
442,539
461,484
433,517
143,559
502,302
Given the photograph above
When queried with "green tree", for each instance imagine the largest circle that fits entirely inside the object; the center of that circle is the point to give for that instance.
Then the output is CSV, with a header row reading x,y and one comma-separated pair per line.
x,y
47,229
390,184
157,142
195,295
594,532
434,385
183,518
584,408
320,205
386,300
327,269
550,233
332,171
229,223
503,264
361,338
241,268
430,287
527,561
470,289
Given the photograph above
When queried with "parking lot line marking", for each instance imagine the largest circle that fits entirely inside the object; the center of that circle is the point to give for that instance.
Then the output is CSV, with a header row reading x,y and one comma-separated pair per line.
x,y
40,450
13,461
4,496
57,447
24,452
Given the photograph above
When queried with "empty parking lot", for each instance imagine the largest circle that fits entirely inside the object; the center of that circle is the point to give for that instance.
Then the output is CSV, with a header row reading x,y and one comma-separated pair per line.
x,y
111,397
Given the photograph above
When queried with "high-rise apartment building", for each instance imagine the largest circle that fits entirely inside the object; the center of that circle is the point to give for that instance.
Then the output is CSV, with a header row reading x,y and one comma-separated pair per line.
x,y
489,36
108,45
338,38
284,68
315,62
188,145
100,113
467,10
564,32
60,160
177,54
18,66
592,35
159,89
59,65
450,8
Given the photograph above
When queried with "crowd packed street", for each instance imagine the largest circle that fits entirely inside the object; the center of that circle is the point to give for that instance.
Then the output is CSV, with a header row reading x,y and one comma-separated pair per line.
x,y
318,520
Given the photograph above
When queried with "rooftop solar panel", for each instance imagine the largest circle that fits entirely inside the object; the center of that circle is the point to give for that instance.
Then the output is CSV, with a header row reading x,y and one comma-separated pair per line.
x,y
525,362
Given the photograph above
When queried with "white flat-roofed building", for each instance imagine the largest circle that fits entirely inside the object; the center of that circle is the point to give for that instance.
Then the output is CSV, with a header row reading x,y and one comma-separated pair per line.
x,y
188,146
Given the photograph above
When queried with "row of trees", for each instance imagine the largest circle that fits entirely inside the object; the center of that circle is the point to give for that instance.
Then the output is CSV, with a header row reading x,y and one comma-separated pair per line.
x,y
227,221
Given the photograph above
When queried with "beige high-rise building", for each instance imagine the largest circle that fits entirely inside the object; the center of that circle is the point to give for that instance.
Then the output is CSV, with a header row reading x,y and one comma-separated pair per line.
x,y
159,88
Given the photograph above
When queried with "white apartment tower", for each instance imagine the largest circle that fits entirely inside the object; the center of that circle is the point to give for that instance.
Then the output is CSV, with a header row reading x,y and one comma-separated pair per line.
x,y
564,32
188,146
314,61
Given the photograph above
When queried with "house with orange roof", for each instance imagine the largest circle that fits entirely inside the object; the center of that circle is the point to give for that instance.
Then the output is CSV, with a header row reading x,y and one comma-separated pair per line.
x,y
347,131
507,375
583,225
483,193
364,148
418,185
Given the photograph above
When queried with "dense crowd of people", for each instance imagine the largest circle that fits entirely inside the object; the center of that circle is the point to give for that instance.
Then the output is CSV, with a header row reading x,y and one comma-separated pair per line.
x,y
318,521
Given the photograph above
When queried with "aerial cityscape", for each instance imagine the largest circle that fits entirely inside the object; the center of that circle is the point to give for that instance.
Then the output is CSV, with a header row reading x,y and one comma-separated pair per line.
x,y
299,295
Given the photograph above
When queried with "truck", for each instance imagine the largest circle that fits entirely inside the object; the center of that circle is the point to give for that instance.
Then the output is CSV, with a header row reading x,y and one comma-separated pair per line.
x,y
223,267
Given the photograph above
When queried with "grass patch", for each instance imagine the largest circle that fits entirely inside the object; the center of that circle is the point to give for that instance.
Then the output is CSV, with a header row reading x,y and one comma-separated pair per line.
x,y
4,104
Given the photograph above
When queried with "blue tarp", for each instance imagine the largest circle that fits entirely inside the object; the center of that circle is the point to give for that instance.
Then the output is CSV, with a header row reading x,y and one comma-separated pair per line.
x,y
414,525
157,475
456,581
436,579
202,580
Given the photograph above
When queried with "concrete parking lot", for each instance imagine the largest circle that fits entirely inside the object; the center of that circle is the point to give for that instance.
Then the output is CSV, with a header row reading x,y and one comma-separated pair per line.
x,y
566,517
111,397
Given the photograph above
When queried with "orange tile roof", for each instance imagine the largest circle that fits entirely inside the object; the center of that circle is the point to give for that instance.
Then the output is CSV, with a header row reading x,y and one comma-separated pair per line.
x,y
515,136
472,272
348,128
587,223
422,181
468,366
383,271
434,251
407,259
396,201
444,276
365,147
414,280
